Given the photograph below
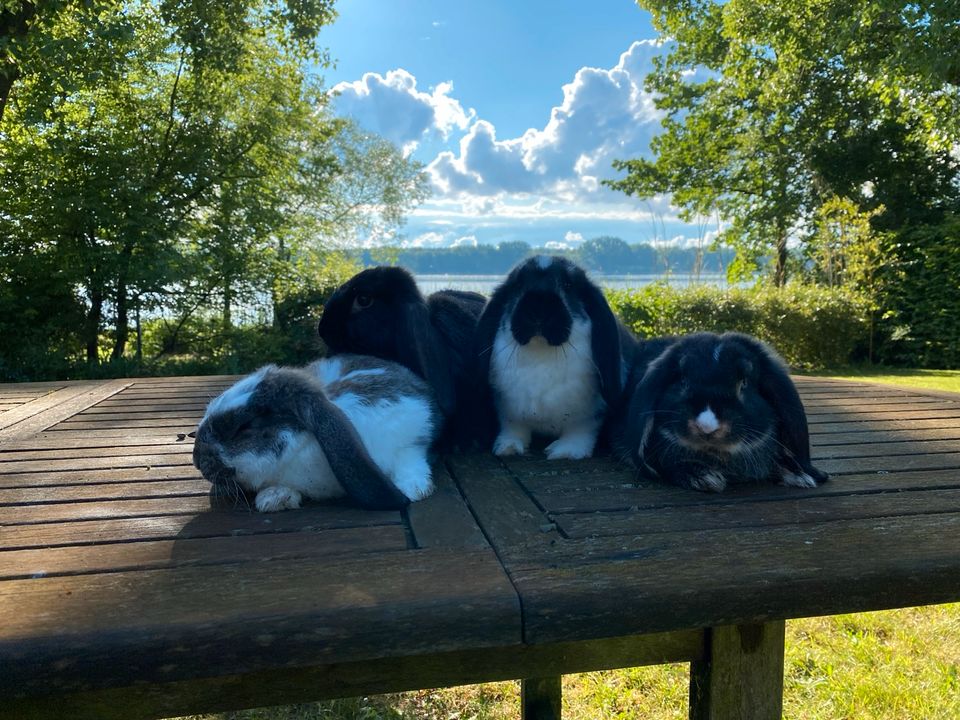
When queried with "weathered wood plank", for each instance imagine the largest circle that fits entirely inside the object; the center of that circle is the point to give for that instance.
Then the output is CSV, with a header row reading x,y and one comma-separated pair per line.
x,y
104,491
741,677
50,409
875,425
86,632
53,442
767,514
928,408
183,552
653,583
101,416
168,433
443,519
94,424
889,463
294,685
27,514
947,412
96,463
41,456
509,515
191,525
77,477
649,494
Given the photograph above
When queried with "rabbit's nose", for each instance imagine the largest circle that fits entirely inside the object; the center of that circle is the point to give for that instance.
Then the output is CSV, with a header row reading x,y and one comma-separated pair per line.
x,y
707,422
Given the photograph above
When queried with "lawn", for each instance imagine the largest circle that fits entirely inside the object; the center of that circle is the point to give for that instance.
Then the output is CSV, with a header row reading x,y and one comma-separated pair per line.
x,y
890,665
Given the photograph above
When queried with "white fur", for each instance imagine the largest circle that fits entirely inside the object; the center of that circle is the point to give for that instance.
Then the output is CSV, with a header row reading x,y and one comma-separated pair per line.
x,y
301,470
707,421
236,395
549,390
544,261
794,480
327,370
396,434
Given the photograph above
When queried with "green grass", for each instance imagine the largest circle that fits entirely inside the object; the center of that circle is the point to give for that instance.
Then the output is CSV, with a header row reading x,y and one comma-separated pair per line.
x,y
890,665
929,379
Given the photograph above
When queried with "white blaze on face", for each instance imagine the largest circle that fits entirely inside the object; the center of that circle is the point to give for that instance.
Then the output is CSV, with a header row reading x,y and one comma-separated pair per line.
x,y
707,421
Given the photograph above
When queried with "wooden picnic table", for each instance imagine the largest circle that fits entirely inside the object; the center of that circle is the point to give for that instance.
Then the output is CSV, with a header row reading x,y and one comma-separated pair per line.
x,y
125,594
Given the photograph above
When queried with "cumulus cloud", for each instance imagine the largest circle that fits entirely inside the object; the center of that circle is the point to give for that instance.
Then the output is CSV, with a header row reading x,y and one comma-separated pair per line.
x,y
573,238
465,241
605,114
392,106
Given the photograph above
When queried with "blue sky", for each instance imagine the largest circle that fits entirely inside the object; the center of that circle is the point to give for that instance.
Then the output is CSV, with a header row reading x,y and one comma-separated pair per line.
x,y
515,108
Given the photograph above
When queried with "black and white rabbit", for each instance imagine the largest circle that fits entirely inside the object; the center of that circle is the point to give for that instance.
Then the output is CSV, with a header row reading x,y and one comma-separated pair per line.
x,y
381,312
549,356
713,410
350,425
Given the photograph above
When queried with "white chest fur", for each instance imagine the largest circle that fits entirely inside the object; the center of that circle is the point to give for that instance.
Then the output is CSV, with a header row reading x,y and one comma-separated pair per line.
x,y
548,389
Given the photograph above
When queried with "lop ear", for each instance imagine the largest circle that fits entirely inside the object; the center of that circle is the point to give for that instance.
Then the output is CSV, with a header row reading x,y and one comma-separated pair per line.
x,y
361,478
604,342
776,387
420,347
641,414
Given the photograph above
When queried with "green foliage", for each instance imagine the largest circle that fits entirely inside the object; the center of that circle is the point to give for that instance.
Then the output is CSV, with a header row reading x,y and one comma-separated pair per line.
x,y
921,295
773,107
811,327
177,159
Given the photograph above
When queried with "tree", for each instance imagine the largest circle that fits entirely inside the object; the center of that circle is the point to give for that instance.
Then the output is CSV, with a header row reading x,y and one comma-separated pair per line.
x,y
773,107
198,171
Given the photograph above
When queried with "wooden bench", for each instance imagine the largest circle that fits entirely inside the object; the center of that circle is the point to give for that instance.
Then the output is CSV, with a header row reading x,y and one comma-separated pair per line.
x,y
123,594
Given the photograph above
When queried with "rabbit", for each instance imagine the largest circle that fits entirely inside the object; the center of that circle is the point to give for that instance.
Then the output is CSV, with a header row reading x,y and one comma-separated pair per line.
x,y
350,425
548,352
381,312
712,410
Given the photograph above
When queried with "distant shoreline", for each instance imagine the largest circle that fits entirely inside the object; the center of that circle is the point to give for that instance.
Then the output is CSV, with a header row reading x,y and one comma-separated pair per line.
x,y
431,282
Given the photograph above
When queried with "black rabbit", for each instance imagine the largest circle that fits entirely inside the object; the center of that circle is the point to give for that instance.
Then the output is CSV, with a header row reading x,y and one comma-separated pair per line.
x,y
549,358
381,312
716,409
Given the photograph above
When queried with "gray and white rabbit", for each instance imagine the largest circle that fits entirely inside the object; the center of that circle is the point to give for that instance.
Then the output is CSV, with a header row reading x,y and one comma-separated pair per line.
x,y
349,425
548,352
712,410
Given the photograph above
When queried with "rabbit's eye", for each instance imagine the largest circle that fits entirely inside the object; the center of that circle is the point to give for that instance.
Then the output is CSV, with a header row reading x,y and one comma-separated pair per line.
x,y
244,427
362,301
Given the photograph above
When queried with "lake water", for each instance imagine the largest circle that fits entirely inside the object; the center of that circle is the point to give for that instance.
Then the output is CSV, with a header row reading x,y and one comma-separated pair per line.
x,y
486,283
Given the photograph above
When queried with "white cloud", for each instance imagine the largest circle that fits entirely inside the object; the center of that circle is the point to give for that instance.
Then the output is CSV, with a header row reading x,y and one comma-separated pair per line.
x,y
427,240
465,241
554,245
573,238
394,108
605,114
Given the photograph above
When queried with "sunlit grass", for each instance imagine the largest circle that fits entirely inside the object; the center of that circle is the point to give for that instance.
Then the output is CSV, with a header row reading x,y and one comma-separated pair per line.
x,y
889,665
929,379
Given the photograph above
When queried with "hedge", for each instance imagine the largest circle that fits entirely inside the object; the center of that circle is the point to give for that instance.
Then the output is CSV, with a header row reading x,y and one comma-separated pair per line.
x,y
811,327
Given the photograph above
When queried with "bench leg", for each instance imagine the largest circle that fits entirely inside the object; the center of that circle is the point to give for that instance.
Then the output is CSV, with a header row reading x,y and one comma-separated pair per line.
x,y
741,676
540,698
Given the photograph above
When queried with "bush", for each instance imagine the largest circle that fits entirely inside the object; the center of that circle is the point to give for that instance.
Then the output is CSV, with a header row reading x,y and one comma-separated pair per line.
x,y
810,326
920,325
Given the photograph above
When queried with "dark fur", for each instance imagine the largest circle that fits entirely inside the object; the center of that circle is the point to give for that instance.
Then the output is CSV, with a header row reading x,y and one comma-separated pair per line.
x,y
531,295
381,312
288,398
683,379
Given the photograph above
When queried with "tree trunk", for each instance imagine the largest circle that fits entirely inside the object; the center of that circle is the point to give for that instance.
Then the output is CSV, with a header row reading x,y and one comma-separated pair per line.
x,y
122,304
94,318
780,274
227,302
